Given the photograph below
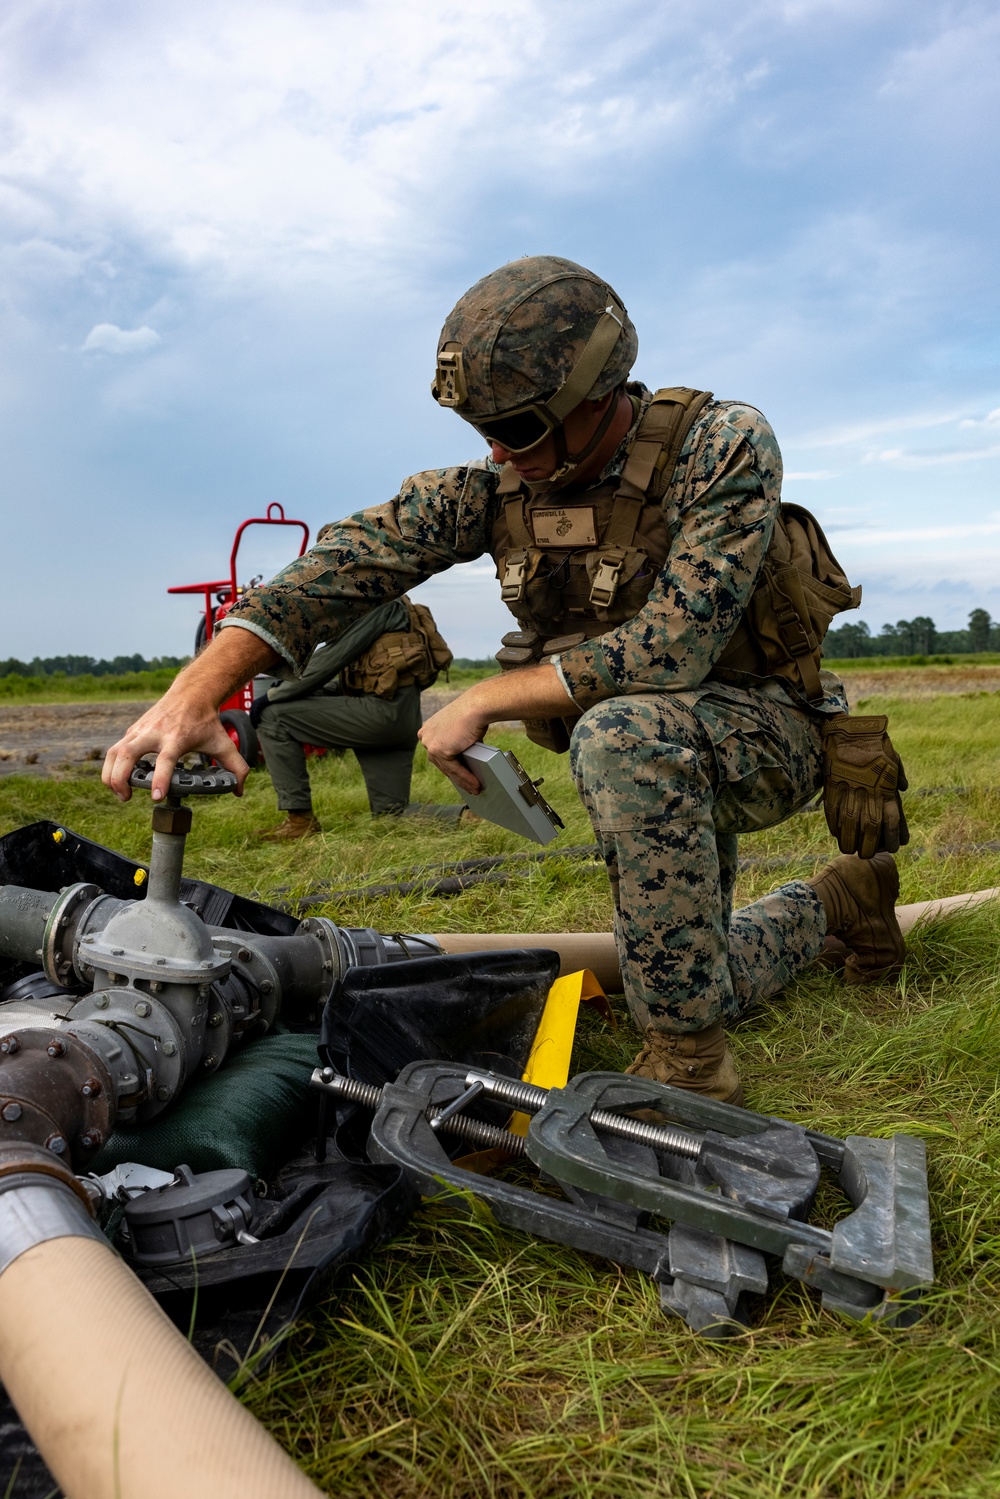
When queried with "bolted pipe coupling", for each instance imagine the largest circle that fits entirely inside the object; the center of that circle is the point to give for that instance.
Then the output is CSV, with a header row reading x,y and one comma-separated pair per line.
x,y
56,1093
40,1199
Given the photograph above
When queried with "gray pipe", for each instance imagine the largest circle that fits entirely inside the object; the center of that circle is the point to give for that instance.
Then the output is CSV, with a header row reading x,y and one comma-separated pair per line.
x,y
23,914
166,866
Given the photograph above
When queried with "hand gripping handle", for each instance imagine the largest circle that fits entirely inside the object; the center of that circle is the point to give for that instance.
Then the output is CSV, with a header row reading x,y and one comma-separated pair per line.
x,y
185,782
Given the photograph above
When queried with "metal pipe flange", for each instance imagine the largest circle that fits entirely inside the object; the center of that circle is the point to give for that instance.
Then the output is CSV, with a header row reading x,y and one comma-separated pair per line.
x,y
60,931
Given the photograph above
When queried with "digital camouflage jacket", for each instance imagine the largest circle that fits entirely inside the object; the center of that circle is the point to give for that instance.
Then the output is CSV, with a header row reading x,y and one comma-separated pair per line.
x,y
721,517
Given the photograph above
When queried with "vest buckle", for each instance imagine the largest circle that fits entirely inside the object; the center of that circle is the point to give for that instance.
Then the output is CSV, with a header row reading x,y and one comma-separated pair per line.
x,y
605,585
514,580
794,635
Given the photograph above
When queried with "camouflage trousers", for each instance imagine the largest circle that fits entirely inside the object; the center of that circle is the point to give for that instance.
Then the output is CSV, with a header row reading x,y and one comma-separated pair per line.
x,y
670,780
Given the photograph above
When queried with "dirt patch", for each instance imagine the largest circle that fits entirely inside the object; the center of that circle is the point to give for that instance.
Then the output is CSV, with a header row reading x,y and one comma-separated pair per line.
x,y
920,681
57,739
64,739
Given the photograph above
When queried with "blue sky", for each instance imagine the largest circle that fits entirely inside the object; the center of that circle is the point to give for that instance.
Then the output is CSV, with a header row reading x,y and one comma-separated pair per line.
x,y
229,233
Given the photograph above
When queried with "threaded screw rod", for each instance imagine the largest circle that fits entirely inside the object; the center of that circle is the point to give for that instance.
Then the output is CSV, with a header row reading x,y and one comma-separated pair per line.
x,y
527,1097
474,1131
368,1095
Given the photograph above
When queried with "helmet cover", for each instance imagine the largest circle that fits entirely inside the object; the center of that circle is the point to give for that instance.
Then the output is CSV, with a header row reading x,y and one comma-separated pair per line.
x,y
519,332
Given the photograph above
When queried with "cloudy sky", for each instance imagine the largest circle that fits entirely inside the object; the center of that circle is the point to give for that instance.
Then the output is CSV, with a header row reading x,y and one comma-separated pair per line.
x,y
230,231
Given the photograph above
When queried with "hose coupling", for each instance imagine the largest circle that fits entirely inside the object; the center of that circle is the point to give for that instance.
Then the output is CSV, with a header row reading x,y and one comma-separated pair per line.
x,y
40,1199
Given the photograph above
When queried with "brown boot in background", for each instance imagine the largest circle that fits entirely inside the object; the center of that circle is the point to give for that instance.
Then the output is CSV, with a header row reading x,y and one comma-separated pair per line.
x,y
295,825
859,898
699,1061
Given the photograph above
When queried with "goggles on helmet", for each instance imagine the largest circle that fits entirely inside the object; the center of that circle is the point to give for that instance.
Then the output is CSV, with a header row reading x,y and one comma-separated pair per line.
x,y
524,426
519,429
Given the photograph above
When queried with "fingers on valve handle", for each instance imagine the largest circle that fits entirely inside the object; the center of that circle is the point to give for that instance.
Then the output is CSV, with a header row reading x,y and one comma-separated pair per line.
x,y
135,745
119,762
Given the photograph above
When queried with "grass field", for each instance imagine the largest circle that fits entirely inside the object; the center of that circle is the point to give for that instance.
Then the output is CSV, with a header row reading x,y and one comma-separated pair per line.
x,y
146,684
468,1360
903,663
62,689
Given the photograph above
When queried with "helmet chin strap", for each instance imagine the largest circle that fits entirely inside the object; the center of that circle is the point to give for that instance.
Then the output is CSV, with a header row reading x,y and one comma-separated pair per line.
x,y
567,463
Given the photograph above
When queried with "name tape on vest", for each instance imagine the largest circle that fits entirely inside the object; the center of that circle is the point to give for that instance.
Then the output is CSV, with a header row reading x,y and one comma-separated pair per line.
x,y
572,526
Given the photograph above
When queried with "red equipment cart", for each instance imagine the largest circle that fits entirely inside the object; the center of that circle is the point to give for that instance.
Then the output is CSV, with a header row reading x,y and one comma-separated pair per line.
x,y
220,596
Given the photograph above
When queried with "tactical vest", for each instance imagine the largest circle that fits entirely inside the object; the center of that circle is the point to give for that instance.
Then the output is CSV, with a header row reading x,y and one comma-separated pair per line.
x,y
574,565
400,658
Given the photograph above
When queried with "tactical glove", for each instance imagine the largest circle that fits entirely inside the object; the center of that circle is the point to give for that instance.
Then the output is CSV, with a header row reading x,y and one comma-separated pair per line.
x,y
257,709
862,779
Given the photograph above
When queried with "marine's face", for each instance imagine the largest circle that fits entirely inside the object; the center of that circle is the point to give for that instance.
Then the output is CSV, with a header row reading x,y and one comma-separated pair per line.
x,y
539,463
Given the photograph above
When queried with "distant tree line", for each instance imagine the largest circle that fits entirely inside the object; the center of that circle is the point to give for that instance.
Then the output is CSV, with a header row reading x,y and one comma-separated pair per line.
x,y
914,637
82,666
907,637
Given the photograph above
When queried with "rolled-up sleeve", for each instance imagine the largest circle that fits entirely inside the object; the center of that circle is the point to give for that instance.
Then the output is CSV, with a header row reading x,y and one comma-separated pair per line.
x,y
438,518
721,526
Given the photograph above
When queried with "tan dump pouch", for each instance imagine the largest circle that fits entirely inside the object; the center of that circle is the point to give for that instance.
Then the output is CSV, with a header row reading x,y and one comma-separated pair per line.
x,y
554,733
400,658
800,589
551,733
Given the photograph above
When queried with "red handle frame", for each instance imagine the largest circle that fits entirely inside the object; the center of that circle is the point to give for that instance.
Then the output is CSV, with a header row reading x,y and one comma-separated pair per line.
x,y
230,584
264,520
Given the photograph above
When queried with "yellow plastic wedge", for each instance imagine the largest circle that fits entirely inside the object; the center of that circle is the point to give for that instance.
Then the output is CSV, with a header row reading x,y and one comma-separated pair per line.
x,y
548,1064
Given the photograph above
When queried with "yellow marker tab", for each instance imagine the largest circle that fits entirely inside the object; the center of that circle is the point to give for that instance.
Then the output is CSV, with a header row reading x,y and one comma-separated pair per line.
x,y
548,1064
139,878
59,835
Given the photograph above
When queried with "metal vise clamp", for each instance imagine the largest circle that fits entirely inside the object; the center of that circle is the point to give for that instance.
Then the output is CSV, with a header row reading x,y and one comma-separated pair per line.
x,y
735,1186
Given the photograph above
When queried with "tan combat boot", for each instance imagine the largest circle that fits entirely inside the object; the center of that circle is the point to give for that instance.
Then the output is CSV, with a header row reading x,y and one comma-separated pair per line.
x,y
859,898
699,1061
295,825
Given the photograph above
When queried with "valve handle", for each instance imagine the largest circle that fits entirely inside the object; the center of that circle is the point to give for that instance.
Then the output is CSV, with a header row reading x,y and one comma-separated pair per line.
x,y
185,782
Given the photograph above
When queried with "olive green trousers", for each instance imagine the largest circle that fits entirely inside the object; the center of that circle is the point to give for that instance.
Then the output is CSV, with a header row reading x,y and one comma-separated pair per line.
x,y
382,734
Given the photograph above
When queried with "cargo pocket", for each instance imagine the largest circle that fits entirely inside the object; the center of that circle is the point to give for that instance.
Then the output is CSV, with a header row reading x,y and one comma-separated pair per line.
x,y
764,774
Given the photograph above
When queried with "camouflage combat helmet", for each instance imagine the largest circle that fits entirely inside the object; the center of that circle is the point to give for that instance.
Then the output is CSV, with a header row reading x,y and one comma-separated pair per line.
x,y
526,345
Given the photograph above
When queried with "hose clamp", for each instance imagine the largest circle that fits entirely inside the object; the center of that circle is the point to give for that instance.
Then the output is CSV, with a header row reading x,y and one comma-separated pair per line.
x,y
35,1209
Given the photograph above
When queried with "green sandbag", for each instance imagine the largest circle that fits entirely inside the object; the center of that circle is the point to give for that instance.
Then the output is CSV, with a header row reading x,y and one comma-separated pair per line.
x,y
253,1113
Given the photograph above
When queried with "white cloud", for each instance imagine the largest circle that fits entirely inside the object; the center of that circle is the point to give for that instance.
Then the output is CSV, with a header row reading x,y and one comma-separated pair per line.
x,y
294,141
898,458
107,338
991,419
849,436
287,140
913,535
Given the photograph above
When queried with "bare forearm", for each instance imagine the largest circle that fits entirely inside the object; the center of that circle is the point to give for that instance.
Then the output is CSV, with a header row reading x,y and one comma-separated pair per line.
x,y
536,692
232,658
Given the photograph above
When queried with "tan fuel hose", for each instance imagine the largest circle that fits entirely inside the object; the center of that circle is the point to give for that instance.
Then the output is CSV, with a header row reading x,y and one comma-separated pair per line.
x,y
930,910
116,1400
593,950
596,950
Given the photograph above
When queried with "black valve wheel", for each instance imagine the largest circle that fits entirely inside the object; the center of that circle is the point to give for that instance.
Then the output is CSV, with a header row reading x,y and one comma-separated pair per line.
x,y
183,782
